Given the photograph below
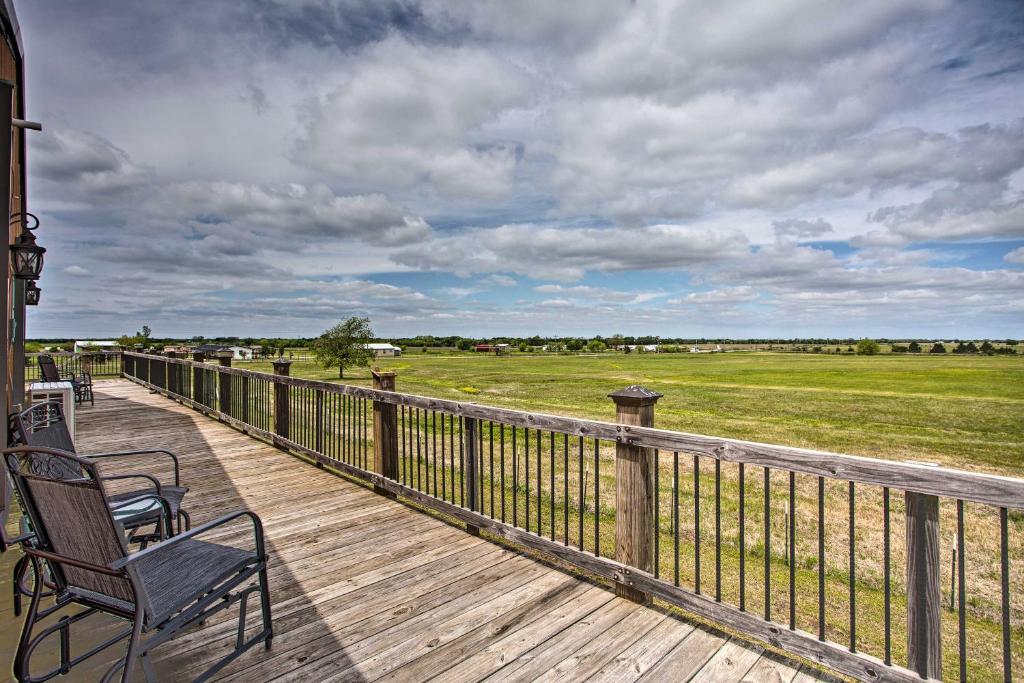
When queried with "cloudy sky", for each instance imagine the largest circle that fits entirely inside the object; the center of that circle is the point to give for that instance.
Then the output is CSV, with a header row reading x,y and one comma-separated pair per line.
x,y
736,168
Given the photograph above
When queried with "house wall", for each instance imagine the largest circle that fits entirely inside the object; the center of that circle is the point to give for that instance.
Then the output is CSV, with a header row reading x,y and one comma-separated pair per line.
x,y
12,292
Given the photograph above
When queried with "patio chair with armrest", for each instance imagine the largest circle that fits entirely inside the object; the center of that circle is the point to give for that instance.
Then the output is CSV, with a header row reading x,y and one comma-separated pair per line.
x,y
160,590
81,384
44,425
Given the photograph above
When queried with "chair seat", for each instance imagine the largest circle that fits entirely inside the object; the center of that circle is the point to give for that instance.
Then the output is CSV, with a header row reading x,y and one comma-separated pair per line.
x,y
185,571
172,494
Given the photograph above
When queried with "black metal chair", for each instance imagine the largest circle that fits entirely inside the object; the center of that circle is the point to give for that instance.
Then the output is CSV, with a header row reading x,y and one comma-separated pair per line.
x,y
81,384
44,425
160,590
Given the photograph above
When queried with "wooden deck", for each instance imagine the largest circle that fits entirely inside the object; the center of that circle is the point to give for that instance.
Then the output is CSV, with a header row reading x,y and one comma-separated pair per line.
x,y
365,588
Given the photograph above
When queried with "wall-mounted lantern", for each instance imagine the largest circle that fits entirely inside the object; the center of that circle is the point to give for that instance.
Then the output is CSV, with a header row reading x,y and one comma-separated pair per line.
x,y
32,294
26,255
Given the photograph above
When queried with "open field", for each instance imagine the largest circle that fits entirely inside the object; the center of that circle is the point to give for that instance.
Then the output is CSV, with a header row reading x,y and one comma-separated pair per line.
x,y
959,411
963,412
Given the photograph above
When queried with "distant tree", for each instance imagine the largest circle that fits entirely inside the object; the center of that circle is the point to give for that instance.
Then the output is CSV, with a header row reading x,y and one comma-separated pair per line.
x,y
464,344
987,348
868,347
344,345
574,344
937,347
128,341
914,347
969,347
596,346
523,347
899,348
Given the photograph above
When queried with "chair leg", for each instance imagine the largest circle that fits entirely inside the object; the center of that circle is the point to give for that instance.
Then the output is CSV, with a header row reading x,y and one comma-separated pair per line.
x,y
20,568
133,648
184,516
21,670
265,607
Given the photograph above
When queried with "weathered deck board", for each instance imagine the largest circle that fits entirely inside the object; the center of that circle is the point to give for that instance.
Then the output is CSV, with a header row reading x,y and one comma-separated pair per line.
x,y
365,588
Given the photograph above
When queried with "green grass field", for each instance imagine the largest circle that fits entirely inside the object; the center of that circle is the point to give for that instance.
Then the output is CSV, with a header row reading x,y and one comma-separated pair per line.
x,y
964,412
958,411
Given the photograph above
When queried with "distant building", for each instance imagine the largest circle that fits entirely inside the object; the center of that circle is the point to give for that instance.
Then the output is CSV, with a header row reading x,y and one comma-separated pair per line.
x,y
493,348
643,348
384,350
87,346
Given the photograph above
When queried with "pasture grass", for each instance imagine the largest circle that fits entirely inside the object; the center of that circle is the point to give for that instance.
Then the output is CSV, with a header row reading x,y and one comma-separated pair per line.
x,y
964,412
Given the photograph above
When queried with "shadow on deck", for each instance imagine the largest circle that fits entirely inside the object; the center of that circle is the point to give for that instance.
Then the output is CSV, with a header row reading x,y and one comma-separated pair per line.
x,y
365,588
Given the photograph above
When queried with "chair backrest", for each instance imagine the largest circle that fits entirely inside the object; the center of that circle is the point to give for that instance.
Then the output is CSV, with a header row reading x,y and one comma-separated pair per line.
x,y
48,369
72,518
43,424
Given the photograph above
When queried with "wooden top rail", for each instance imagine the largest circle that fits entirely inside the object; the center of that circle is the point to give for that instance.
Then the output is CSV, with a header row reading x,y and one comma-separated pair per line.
x,y
904,476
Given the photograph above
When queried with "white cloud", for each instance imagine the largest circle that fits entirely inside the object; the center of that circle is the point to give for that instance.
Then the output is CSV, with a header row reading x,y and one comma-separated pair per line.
x,y
561,253
412,114
77,271
1016,256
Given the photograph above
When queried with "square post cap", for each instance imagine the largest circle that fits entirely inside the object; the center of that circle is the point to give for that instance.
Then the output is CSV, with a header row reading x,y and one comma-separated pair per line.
x,y
635,395
281,366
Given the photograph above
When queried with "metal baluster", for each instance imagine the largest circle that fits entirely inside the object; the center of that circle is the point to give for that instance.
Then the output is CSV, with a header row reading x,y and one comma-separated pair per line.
x,y
675,515
743,539
767,544
657,516
821,558
962,586
887,576
597,498
1004,565
853,575
696,524
718,530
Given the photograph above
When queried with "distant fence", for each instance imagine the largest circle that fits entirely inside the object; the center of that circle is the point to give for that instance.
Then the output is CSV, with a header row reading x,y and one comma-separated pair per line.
x,y
880,570
96,363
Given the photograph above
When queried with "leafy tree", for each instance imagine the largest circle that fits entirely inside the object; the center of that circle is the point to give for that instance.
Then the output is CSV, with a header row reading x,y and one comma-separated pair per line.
x,y
344,345
914,347
938,347
987,348
596,346
523,347
626,349
868,347
464,344
574,344
127,341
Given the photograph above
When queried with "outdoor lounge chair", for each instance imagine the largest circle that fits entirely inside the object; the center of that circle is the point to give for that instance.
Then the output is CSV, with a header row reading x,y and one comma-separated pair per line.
x,y
82,384
160,590
44,425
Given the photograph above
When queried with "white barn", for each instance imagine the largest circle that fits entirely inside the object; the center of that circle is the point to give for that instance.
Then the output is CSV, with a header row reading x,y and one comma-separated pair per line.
x,y
380,350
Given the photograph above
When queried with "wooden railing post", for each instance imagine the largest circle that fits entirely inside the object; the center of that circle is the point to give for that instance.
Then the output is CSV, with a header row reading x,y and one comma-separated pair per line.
x,y
282,367
924,593
385,430
224,383
634,488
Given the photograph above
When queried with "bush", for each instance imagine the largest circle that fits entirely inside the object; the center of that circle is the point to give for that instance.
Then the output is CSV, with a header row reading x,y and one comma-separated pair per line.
x,y
574,344
596,346
914,347
938,347
868,347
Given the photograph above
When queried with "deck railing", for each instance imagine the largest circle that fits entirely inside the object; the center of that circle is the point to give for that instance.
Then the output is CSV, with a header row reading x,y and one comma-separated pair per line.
x,y
836,558
97,363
